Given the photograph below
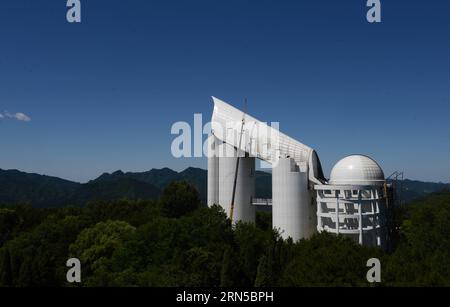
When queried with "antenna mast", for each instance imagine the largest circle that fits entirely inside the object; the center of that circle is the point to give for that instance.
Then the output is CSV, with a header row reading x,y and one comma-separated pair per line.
x,y
237,162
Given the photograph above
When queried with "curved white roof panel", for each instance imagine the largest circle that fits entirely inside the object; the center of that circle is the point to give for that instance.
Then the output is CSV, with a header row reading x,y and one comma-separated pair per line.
x,y
259,139
357,170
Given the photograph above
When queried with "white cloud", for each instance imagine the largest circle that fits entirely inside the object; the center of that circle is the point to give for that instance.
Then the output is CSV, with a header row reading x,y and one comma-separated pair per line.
x,y
18,116
22,117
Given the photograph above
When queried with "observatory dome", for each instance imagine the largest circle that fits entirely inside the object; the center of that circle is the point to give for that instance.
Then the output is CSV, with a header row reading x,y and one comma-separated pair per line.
x,y
357,170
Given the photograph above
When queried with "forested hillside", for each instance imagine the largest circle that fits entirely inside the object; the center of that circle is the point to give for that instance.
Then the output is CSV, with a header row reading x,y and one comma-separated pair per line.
x,y
43,191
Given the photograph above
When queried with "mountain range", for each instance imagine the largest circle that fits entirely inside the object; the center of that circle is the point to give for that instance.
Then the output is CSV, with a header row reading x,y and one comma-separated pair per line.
x,y
45,191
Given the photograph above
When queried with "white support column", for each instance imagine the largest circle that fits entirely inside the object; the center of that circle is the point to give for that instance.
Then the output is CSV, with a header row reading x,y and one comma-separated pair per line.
x,y
376,219
319,210
292,210
374,212
360,218
337,211
213,171
245,184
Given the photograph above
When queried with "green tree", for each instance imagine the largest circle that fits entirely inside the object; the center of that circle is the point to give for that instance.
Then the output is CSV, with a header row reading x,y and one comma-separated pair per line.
x,y
262,275
328,260
252,244
135,213
201,270
269,264
94,246
9,220
263,220
178,199
423,255
38,257
226,272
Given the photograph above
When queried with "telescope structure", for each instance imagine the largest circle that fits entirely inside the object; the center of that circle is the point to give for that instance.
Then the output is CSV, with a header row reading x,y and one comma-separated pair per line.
x,y
303,202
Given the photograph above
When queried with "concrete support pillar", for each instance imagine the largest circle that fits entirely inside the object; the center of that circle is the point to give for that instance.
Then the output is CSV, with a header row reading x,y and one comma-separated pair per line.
x,y
245,186
213,171
293,209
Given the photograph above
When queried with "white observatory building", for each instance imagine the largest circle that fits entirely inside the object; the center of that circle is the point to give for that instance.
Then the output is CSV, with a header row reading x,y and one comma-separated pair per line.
x,y
351,203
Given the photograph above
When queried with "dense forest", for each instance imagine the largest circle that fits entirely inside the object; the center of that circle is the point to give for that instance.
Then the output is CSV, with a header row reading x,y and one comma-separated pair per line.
x,y
175,241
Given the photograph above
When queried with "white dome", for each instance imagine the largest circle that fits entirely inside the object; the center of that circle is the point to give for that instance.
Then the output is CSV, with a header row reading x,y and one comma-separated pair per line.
x,y
357,170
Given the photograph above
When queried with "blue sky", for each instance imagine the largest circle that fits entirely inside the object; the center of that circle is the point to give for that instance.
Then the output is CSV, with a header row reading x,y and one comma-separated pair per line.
x,y
102,95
